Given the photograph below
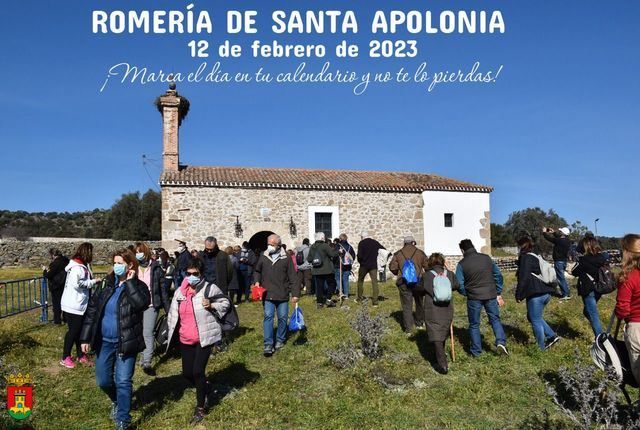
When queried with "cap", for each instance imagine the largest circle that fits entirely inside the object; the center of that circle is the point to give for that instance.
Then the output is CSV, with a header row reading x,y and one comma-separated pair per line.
x,y
565,231
409,239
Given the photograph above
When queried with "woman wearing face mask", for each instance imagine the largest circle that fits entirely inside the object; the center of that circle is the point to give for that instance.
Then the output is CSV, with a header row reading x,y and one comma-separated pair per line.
x,y
152,275
113,328
193,321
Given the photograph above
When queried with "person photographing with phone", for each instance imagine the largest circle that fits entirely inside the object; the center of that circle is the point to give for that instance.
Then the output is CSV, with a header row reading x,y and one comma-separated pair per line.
x,y
113,328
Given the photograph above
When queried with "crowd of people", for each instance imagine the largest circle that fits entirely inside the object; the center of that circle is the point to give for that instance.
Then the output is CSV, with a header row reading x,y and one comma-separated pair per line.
x,y
115,317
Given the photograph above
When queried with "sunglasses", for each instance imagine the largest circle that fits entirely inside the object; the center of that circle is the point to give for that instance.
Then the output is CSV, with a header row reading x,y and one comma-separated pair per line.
x,y
193,273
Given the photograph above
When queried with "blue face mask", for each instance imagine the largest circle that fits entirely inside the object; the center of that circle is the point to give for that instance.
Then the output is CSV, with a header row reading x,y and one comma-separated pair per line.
x,y
119,269
193,280
140,256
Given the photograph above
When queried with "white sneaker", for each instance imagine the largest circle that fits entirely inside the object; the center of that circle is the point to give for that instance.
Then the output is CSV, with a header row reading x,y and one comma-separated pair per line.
x,y
502,349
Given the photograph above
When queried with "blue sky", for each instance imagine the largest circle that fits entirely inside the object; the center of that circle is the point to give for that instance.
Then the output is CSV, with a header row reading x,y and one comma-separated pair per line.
x,y
559,129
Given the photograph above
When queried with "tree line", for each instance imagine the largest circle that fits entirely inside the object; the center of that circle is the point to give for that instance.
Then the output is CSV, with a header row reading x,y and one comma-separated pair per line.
x,y
132,216
531,220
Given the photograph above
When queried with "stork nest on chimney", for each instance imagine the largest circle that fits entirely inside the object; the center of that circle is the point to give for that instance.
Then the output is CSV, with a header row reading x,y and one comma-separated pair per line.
x,y
183,107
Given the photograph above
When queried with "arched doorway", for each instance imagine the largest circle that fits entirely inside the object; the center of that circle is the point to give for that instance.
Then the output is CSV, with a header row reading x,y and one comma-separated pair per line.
x,y
259,240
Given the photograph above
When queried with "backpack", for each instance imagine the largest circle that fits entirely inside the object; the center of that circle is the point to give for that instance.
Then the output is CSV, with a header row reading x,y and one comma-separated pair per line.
x,y
161,331
300,258
316,261
347,258
229,321
244,256
409,272
547,271
605,283
442,291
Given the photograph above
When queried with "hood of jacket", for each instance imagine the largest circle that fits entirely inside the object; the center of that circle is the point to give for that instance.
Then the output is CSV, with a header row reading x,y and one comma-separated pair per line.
x,y
72,264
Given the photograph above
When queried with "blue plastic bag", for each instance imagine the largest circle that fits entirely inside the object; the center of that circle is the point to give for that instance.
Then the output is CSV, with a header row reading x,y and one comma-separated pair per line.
x,y
296,322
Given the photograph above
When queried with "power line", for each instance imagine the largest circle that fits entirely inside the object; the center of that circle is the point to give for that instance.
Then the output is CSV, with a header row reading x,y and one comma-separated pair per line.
x,y
145,161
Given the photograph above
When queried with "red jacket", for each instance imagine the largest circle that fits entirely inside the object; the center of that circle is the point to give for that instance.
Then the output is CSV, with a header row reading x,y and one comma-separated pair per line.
x,y
628,301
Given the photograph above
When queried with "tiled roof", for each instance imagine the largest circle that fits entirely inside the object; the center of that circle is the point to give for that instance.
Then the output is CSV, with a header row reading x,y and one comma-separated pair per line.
x,y
307,179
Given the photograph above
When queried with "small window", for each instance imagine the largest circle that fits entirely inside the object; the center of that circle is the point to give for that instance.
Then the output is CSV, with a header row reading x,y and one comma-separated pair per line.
x,y
448,220
323,223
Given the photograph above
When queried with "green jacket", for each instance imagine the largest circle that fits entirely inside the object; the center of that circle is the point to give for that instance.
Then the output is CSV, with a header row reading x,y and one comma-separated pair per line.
x,y
323,251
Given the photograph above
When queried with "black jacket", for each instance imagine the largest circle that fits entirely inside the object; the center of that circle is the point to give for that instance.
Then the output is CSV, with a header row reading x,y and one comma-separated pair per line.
x,y
561,246
529,285
223,268
159,294
55,274
279,279
368,253
588,264
182,261
132,303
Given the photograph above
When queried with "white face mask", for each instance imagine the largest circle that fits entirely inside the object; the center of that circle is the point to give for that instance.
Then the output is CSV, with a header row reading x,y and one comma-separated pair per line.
x,y
272,249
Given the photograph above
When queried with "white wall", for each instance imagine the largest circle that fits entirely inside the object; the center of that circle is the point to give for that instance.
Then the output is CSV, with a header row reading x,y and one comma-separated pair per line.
x,y
469,212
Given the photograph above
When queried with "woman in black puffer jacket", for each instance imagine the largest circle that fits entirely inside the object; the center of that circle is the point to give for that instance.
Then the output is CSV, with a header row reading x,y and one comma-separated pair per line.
x,y
587,273
535,292
113,328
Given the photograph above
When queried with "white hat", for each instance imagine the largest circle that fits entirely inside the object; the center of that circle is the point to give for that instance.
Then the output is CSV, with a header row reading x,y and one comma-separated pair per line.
x,y
319,235
565,231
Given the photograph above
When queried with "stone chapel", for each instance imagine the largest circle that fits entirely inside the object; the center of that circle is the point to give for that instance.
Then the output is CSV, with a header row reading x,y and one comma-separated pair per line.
x,y
296,203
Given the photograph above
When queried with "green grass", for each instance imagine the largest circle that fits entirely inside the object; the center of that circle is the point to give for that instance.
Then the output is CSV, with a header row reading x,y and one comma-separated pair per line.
x,y
298,388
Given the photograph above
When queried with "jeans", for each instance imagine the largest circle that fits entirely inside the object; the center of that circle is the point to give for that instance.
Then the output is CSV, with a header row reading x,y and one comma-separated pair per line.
x,y
590,311
73,334
535,309
148,324
560,267
407,298
194,363
345,281
270,308
373,274
325,286
474,307
114,375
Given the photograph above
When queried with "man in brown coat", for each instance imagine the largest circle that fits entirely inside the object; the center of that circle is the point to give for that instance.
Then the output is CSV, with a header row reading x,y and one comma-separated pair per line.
x,y
410,293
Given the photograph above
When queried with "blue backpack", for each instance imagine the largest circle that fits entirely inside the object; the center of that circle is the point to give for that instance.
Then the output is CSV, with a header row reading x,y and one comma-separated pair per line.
x,y
442,292
409,272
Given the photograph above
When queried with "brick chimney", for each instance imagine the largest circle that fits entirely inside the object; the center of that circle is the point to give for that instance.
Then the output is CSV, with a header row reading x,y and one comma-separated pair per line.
x,y
171,106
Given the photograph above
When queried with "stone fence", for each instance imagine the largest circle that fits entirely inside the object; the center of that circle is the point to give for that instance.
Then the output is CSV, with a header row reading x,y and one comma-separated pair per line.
x,y
35,253
505,264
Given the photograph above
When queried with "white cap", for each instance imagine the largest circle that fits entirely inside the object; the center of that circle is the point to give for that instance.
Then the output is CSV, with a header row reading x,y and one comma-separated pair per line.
x,y
319,235
565,231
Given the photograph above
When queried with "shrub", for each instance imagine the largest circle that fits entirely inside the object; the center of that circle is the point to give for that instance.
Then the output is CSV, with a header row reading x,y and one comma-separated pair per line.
x,y
585,395
345,355
370,329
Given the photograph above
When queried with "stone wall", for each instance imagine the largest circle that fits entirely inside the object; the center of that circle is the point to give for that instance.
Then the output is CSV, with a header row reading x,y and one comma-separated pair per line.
x,y
505,264
36,253
192,213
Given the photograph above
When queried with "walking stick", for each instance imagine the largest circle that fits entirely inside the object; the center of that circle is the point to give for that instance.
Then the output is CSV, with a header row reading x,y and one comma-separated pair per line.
x,y
340,282
453,347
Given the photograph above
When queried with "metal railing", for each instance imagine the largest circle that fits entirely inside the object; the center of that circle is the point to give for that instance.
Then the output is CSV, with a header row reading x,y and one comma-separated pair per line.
x,y
24,295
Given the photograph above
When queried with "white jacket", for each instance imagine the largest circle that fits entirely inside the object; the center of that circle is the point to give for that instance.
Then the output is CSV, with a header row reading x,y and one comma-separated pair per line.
x,y
209,330
75,297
